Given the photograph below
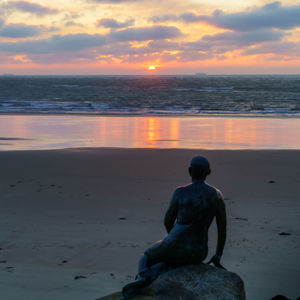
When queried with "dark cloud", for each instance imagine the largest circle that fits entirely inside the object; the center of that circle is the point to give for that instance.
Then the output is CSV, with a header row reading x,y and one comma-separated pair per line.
x,y
272,15
29,7
20,31
112,23
146,33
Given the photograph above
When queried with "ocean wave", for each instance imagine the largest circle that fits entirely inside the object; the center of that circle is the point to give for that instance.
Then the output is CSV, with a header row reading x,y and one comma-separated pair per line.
x,y
145,95
204,89
67,85
63,107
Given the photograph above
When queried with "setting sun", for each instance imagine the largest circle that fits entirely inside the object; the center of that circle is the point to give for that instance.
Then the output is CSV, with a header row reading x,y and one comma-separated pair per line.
x,y
152,68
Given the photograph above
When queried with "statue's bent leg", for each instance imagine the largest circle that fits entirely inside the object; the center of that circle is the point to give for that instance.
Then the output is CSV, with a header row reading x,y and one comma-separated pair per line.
x,y
146,275
150,267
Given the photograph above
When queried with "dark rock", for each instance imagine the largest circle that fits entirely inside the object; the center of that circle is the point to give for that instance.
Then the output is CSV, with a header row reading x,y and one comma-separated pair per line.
x,y
280,297
191,282
79,277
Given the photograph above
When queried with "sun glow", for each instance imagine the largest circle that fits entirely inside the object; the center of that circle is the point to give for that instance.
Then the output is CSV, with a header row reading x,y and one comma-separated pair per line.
x,y
152,68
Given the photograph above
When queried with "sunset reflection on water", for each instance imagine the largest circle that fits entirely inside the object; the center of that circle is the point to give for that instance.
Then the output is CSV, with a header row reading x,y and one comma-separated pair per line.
x,y
23,132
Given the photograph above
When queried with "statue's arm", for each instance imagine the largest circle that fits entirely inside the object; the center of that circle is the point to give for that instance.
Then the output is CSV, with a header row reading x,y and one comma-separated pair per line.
x,y
221,226
171,214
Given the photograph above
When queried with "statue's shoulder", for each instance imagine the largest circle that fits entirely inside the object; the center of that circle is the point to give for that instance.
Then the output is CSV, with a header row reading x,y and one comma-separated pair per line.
x,y
182,189
214,190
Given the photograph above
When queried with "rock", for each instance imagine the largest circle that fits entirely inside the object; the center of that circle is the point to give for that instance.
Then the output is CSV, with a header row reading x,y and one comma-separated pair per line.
x,y
284,233
280,297
191,282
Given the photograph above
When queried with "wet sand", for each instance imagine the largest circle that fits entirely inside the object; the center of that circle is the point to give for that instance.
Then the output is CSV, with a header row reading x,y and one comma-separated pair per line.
x,y
45,132
74,222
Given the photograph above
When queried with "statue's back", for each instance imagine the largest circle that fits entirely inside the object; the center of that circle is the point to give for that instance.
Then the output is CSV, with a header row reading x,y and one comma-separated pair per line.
x,y
196,205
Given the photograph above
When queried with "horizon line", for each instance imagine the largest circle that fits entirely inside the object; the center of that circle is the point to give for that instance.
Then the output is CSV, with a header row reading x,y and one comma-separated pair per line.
x,y
151,75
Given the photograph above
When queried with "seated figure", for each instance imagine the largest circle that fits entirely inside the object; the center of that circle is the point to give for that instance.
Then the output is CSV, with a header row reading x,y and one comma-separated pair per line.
x,y
187,220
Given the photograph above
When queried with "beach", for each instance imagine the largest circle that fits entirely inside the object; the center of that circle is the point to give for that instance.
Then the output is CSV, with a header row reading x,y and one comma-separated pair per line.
x,y
74,222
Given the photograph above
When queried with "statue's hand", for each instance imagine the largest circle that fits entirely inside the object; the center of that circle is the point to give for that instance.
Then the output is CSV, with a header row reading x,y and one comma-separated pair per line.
x,y
216,261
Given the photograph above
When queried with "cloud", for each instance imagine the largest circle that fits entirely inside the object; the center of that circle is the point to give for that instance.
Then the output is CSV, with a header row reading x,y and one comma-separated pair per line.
x,y
283,49
115,1
146,33
77,42
20,31
241,39
29,7
72,23
55,44
162,45
187,17
112,23
272,15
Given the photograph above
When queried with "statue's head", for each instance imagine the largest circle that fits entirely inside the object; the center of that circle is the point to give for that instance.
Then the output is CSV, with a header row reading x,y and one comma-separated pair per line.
x,y
199,168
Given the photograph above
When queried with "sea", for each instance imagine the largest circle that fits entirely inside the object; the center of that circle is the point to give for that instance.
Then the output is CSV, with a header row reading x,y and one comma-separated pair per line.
x,y
190,112
255,95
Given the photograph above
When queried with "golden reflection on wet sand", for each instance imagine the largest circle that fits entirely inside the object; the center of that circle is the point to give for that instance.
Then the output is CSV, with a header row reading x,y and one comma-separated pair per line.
x,y
63,131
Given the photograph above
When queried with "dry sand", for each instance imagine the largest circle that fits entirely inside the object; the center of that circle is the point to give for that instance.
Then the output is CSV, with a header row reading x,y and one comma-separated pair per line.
x,y
92,213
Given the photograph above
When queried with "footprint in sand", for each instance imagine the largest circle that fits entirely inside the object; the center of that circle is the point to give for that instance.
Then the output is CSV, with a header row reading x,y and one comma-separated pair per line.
x,y
63,262
10,269
241,219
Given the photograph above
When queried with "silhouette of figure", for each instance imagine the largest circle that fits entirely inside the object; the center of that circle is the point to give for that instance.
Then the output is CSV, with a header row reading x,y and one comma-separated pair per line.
x,y
187,220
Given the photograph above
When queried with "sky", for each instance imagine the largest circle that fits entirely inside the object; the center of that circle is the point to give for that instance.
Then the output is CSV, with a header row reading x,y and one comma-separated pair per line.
x,y
169,36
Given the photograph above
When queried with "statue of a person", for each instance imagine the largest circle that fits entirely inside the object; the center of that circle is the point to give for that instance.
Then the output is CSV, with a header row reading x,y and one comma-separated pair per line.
x,y
187,220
